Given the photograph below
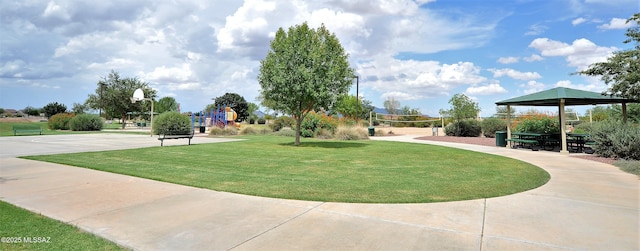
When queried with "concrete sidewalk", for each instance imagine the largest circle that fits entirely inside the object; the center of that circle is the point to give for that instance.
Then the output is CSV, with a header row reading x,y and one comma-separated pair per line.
x,y
585,206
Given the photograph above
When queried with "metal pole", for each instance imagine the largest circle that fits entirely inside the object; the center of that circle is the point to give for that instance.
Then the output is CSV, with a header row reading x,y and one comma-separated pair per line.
x,y
357,100
151,124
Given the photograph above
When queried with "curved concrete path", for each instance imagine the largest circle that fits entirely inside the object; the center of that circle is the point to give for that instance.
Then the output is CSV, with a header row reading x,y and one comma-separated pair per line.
x,y
585,206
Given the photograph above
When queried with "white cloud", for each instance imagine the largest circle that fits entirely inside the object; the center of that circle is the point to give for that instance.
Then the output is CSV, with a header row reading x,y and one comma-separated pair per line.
x,y
490,89
532,87
515,74
536,29
421,79
578,21
580,54
54,10
508,60
170,75
616,24
586,87
533,58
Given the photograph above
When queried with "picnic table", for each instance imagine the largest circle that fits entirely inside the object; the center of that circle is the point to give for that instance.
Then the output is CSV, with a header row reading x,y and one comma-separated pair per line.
x,y
535,141
576,141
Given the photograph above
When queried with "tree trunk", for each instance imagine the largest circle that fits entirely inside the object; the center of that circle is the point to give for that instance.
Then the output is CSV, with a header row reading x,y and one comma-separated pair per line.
x,y
298,123
124,119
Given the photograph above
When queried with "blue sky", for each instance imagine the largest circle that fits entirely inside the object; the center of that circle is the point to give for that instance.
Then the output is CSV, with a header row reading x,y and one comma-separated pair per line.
x,y
418,52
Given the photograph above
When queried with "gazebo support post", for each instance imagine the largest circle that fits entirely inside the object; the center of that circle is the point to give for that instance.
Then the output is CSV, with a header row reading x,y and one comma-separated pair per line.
x,y
508,123
563,133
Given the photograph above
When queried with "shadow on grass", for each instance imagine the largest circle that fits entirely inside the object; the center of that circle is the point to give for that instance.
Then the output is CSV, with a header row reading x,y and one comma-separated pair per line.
x,y
331,144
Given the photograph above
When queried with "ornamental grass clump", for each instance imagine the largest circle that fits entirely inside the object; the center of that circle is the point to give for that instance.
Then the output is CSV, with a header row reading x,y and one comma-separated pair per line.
x,y
351,133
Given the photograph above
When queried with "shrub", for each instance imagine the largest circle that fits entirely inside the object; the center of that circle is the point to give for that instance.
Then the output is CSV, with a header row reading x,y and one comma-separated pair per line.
x,y
583,128
172,123
313,122
282,122
616,139
60,121
464,128
249,130
229,130
351,133
380,132
491,125
86,122
539,124
262,121
285,132
324,134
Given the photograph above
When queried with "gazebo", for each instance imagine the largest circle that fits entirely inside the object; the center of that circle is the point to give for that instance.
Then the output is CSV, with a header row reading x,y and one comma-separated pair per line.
x,y
561,97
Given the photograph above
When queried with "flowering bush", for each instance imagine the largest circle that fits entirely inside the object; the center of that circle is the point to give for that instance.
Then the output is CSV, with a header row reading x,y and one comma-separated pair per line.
x,y
60,121
314,122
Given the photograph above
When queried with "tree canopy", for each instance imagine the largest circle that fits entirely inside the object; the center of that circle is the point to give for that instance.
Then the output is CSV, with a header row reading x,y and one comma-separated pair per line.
x,y
621,71
236,102
462,107
351,107
113,94
305,70
53,109
166,104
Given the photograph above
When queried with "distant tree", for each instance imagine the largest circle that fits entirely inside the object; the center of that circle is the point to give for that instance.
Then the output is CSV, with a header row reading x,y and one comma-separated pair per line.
x,y
501,112
462,107
166,104
252,108
113,94
305,70
80,108
53,109
236,102
391,105
620,71
2,111
351,107
31,111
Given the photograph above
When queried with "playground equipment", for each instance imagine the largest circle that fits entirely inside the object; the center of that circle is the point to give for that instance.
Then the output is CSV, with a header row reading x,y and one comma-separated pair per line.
x,y
220,117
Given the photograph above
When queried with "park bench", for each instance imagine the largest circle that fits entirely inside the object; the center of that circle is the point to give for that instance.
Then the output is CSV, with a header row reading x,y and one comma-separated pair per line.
x,y
534,144
170,135
27,128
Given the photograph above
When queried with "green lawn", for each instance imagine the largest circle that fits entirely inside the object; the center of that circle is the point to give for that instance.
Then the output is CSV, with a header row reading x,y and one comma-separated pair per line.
x,y
24,230
323,170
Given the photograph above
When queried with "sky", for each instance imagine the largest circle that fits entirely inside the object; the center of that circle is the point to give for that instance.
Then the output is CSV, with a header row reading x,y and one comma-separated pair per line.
x,y
419,52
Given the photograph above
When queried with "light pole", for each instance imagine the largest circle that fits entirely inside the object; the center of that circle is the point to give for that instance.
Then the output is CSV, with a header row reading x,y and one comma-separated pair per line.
x,y
138,95
357,100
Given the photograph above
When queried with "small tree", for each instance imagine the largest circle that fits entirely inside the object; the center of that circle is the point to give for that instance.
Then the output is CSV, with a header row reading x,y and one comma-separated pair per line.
x,y
166,104
113,94
305,70
53,109
236,102
392,105
79,108
351,107
31,111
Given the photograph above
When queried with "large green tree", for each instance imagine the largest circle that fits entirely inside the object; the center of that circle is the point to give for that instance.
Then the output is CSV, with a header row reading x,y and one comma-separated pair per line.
x,y
166,104
236,102
621,71
113,95
305,70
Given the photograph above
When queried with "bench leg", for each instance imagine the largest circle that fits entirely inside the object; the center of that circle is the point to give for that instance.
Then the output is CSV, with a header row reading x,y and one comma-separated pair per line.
x,y
189,141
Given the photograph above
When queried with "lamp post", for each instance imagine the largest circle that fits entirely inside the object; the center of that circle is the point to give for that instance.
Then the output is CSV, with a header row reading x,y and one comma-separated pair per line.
x,y
138,95
357,100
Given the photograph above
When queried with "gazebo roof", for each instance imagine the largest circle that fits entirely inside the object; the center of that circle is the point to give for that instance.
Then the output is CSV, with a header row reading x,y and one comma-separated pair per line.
x,y
553,96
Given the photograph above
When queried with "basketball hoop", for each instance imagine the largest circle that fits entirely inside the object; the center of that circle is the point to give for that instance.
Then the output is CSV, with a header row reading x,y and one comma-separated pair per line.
x,y
138,95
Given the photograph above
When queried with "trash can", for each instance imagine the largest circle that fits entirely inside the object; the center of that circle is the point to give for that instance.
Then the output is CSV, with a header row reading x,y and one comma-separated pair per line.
x,y
372,131
501,138
202,129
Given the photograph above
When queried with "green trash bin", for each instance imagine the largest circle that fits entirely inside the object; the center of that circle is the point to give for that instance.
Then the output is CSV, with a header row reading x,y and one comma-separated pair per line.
x,y
372,131
501,138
